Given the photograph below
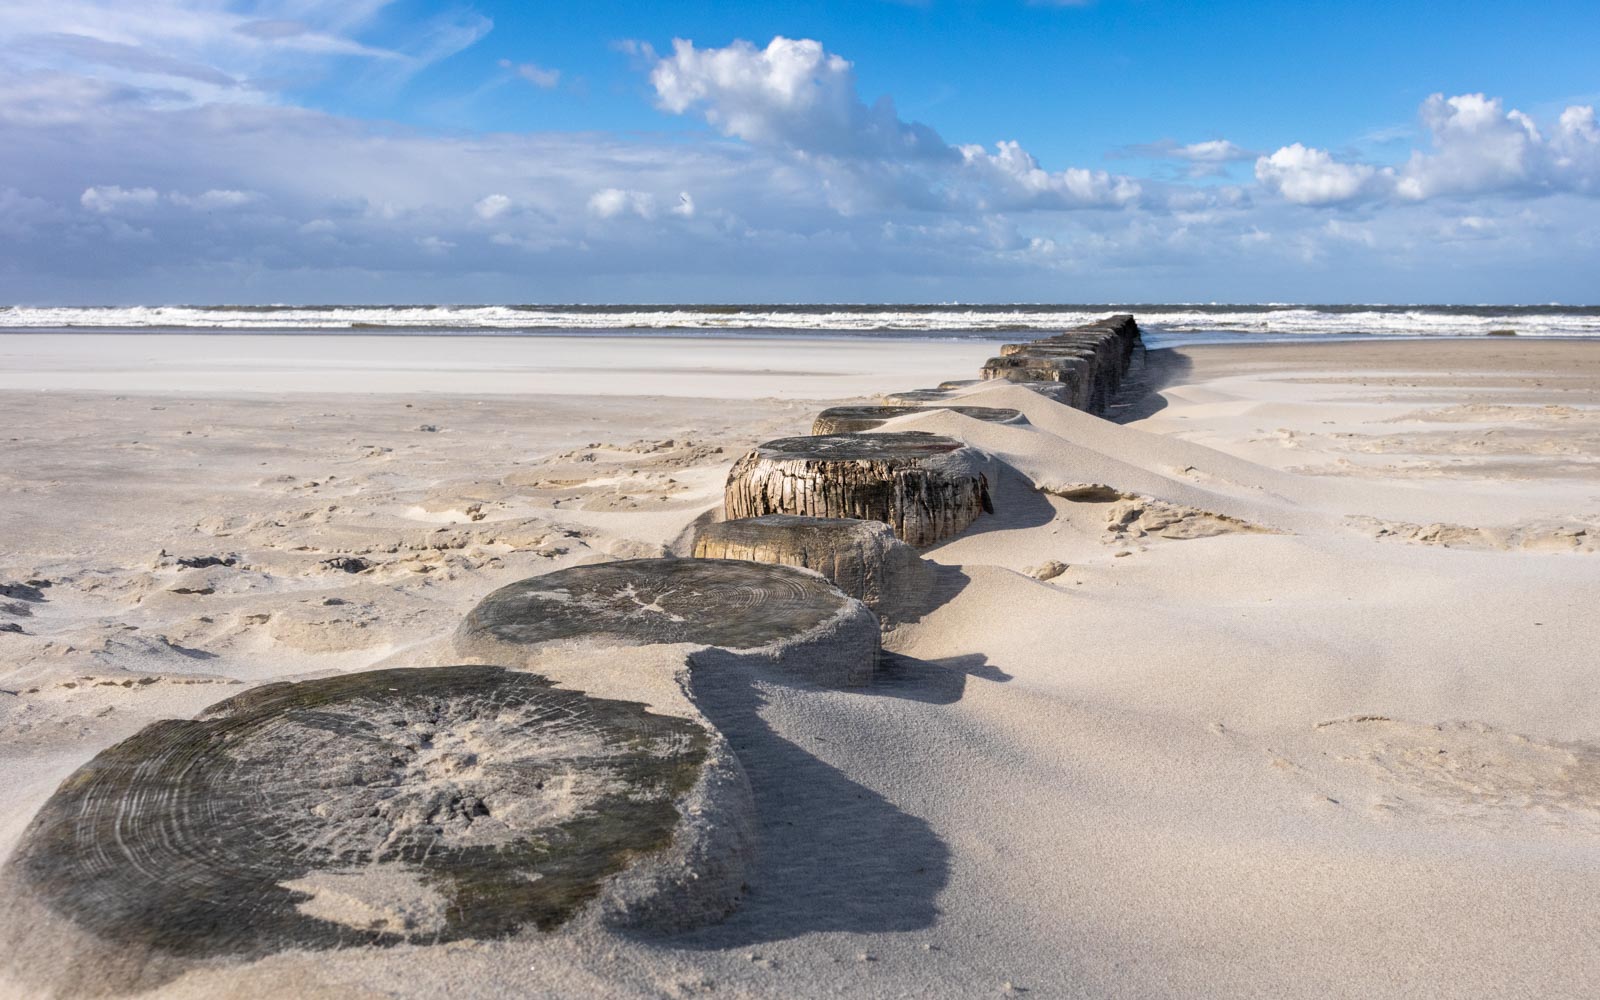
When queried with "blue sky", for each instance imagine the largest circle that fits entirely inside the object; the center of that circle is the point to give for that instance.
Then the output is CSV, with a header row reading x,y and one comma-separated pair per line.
x,y
306,150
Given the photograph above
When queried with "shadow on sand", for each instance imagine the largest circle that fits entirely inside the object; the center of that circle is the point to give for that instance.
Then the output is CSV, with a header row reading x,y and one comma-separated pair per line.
x,y
831,855
1141,393
934,682
1017,504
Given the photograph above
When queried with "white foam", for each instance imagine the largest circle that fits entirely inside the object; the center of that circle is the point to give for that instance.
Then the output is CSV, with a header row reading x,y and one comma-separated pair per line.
x,y
1285,321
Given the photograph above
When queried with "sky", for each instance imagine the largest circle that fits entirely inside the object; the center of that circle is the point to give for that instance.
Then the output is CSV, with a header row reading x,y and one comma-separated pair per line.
x,y
366,151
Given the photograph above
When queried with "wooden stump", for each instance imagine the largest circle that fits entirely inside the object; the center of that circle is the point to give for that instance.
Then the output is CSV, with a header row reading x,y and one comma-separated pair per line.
x,y
1076,375
1091,359
925,486
1094,378
1039,368
862,558
915,397
1053,348
791,618
852,419
1105,349
371,809
1061,392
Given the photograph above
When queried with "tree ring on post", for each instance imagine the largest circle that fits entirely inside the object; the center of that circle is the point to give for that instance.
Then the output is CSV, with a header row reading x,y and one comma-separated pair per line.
x,y
386,807
789,617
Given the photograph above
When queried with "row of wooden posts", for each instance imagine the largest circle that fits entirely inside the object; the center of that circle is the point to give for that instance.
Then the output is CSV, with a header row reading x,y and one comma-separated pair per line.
x,y
926,487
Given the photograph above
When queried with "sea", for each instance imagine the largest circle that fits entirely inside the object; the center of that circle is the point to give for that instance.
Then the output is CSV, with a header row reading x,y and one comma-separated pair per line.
x,y
1164,325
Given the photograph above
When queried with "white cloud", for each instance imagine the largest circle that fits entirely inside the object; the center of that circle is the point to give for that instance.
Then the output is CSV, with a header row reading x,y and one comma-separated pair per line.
x,y
1577,127
1017,180
434,244
759,95
214,200
1576,148
1208,151
109,198
612,202
492,206
685,205
796,96
792,93
1208,158
1308,176
1211,151
1478,146
535,74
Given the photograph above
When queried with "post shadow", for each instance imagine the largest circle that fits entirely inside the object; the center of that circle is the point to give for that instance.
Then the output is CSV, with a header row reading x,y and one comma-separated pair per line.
x,y
831,854
1017,504
1140,396
934,682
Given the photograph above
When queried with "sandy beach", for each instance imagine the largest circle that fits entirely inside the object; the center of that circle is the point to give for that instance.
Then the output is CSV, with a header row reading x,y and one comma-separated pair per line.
x,y
1279,683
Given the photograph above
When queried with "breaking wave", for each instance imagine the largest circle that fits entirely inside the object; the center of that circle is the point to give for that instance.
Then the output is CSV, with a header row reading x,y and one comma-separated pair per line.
x,y
986,321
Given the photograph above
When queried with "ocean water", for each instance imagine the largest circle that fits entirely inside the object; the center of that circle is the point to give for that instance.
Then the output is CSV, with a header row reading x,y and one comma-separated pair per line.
x,y
1164,325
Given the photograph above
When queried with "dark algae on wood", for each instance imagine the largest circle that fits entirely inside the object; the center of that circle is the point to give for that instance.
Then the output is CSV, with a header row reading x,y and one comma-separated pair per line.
x,y
749,612
736,605
376,808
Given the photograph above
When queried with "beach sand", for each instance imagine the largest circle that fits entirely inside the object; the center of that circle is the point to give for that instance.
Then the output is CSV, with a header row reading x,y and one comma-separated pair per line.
x,y
1309,710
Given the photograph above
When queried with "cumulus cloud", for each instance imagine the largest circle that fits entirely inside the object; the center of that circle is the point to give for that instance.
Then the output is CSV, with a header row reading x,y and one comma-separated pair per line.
x,y
109,198
1016,180
492,206
795,95
792,93
1477,148
609,203
1308,176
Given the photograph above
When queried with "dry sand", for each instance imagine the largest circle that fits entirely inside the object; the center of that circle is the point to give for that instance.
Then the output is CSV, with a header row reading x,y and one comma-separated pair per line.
x,y
1305,708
